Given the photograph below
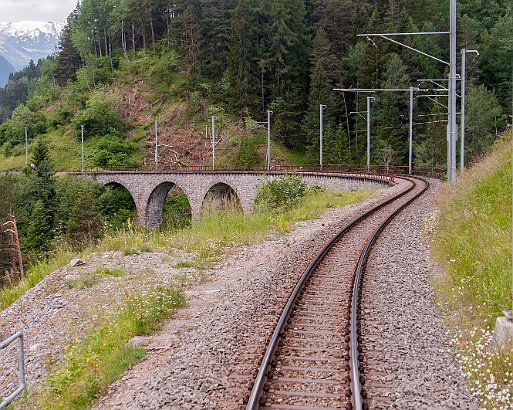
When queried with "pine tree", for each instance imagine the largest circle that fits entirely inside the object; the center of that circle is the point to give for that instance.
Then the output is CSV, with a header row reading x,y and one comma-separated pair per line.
x,y
288,63
42,175
215,33
69,60
326,73
335,145
243,69
186,30
39,233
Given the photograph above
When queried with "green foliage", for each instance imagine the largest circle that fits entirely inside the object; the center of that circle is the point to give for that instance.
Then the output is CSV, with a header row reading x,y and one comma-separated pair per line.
x,y
281,193
100,116
115,152
482,114
33,276
471,239
247,56
177,212
13,130
247,153
117,205
39,232
85,225
478,280
335,146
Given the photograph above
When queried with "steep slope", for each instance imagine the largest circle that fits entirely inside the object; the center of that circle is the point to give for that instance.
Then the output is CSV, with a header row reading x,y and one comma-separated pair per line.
x,y
472,242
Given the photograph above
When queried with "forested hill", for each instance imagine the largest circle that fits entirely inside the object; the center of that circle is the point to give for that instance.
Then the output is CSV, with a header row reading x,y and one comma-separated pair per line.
x,y
124,63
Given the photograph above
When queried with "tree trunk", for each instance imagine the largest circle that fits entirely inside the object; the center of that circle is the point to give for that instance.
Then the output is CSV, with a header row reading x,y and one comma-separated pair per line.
x,y
123,39
106,41
143,28
133,35
152,33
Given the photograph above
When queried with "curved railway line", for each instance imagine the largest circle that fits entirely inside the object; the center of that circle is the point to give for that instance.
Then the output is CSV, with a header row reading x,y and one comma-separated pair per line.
x,y
314,359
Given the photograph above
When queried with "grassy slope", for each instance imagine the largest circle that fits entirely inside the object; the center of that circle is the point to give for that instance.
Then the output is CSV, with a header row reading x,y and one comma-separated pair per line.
x,y
472,241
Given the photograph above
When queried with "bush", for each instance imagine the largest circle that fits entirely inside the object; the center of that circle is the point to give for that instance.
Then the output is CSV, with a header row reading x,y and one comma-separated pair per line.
x,y
100,117
115,152
117,205
13,130
177,212
247,155
280,194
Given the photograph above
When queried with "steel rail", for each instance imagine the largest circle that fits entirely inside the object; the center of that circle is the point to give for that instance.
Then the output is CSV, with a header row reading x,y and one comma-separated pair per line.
x,y
356,387
256,392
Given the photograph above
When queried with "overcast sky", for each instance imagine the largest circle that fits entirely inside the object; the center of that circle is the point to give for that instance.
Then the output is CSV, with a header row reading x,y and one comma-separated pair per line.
x,y
38,10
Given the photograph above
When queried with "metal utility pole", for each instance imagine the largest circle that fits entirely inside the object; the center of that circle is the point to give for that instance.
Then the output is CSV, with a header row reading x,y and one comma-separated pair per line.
x,y
410,153
453,132
321,110
26,146
269,140
369,98
464,52
213,144
82,139
156,145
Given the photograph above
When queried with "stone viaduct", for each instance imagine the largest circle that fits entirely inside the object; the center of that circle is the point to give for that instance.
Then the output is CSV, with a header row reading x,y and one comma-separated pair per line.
x,y
149,189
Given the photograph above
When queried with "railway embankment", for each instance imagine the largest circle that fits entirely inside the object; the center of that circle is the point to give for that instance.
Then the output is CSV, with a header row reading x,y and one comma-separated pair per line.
x,y
209,355
471,238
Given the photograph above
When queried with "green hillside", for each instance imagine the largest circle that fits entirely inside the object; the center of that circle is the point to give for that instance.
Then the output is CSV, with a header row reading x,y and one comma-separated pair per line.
x,y
472,242
122,64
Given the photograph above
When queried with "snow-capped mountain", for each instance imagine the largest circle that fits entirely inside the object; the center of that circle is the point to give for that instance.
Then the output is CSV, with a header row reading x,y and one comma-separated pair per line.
x,y
23,41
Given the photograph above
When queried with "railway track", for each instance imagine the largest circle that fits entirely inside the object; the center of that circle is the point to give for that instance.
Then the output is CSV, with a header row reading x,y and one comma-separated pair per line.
x,y
313,360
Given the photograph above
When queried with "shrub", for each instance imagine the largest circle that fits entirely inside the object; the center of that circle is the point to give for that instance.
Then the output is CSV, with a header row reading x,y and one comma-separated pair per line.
x,y
115,152
117,205
13,130
281,193
100,117
177,212
247,154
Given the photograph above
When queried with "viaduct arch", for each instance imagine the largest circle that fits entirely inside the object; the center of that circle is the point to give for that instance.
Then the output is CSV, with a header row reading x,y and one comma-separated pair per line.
x,y
149,190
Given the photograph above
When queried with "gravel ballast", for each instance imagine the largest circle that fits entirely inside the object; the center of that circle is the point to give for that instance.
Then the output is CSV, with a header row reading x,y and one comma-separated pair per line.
x,y
401,327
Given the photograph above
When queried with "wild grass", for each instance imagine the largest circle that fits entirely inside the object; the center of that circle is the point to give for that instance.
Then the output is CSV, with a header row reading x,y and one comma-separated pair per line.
x,y
33,276
89,279
472,242
473,239
94,362
7,163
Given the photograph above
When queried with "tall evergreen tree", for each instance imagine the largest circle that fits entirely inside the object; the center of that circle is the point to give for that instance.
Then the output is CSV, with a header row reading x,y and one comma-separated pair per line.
x,y
69,60
215,34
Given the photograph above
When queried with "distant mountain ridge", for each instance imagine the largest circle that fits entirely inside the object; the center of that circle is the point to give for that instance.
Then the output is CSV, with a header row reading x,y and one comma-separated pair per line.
x,y
23,41
6,68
